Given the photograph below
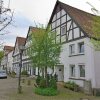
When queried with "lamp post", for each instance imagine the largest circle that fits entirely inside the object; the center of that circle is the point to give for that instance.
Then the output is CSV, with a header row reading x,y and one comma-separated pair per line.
x,y
21,48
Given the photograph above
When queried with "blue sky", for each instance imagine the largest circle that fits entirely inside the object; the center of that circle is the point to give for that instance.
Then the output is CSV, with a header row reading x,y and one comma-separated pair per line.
x,y
28,11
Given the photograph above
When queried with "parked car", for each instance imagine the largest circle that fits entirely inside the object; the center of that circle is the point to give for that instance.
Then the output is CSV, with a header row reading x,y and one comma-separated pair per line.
x,y
3,74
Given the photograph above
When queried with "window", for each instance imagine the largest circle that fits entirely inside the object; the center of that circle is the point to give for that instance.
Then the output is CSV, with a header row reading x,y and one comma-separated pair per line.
x,y
72,70
72,49
82,70
81,47
63,30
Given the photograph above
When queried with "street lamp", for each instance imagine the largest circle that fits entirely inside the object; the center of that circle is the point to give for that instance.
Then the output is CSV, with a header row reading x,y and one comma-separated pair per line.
x,y
21,48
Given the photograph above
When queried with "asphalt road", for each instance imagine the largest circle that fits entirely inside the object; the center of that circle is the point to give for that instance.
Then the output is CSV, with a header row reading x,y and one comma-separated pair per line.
x,y
7,86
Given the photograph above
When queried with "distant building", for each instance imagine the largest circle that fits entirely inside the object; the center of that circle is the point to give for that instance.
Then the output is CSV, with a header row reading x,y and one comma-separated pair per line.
x,y
20,41
6,62
27,64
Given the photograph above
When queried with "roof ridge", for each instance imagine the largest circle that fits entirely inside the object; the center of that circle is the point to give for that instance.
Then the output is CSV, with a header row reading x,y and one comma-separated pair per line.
x,y
75,8
20,37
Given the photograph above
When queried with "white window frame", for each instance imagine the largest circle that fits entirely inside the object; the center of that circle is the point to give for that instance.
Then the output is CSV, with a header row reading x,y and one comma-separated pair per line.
x,y
70,49
80,72
72,74
79,49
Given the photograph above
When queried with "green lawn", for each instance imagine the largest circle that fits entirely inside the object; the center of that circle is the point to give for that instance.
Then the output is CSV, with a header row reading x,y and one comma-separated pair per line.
x,y
64,94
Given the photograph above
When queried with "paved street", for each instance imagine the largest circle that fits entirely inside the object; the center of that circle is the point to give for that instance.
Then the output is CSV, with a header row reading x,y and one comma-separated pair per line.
x,y
8,91
7,86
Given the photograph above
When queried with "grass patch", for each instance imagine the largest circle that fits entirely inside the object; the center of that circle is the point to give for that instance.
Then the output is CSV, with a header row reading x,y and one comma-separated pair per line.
x,y
46,91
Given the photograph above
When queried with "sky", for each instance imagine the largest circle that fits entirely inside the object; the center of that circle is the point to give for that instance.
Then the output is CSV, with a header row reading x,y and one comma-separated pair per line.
x,y
29,12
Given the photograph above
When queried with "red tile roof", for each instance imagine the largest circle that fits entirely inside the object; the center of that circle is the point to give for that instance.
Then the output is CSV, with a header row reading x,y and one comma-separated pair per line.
x,y
21,40
8,48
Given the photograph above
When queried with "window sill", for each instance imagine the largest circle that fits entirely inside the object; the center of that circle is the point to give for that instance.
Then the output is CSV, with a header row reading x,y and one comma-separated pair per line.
x,y
76,54
73,78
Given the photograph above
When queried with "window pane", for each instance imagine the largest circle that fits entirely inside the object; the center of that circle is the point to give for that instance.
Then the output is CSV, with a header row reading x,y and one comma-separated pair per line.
x,y
72,49
72,70
81,47
82,70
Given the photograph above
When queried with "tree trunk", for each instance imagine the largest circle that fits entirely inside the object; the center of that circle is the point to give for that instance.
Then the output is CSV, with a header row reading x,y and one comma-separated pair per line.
x,y
38,71
46,76
43,73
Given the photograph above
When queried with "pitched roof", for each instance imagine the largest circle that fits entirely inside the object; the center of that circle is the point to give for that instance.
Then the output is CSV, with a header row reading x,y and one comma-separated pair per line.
x,y
31,28
20,40
82,18
8,48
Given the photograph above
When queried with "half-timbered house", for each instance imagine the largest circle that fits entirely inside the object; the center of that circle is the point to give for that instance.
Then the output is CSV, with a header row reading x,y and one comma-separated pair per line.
x,y
26,62
79,60
20,41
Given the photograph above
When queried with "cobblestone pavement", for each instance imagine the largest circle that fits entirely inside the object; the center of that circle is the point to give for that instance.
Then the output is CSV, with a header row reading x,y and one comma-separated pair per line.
x,y
7,86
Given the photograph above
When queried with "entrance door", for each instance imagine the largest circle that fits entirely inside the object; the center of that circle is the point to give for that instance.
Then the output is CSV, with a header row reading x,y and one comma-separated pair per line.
x,y
60,72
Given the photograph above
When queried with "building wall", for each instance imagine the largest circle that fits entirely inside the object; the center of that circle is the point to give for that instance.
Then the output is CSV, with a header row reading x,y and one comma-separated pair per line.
x,y
16,59
10,62
73,34
86,59
4,62
26,63
97,68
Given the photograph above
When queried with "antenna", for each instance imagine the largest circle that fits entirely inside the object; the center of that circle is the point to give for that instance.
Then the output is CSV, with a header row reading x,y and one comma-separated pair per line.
x,y
93,9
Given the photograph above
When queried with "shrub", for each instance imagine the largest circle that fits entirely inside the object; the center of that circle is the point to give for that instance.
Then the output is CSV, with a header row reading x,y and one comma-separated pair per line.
x,y
13,74
56,77
38,79
42,83
24,72
46,91
52,83
71,85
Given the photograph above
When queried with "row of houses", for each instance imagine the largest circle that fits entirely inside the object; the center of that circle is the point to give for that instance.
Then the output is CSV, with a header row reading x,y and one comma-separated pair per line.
x,y
79,60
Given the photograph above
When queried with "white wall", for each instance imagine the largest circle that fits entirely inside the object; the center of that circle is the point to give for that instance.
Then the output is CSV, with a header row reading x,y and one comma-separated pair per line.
x,y
10,61
97,68
87,59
